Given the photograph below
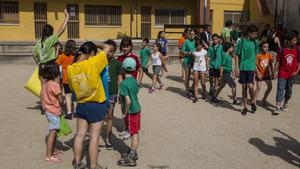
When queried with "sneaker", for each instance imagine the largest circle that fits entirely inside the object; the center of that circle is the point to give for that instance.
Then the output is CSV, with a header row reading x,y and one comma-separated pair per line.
x,y
79,166
126,136
69,116
277,111
99,167
215,100
235,102
195,100
204,95
130,154
253,107
151,90
127,162
244,112
108,144
284,107
122,133
161,86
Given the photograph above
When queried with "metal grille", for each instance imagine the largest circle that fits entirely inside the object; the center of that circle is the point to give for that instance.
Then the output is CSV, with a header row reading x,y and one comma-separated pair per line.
x,y
146,22
9,12
103,15
236,16
170,16
40,18
73,23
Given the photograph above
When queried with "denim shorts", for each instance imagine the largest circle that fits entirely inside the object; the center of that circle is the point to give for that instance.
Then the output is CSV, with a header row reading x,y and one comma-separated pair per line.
x,y
54,121
284,89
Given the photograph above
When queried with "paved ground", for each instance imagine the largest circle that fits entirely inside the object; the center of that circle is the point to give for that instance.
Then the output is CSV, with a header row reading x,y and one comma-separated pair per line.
x,y
175,132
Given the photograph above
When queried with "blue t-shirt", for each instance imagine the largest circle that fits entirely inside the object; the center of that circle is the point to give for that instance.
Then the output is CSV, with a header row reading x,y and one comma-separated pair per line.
x,y
163,44
105,80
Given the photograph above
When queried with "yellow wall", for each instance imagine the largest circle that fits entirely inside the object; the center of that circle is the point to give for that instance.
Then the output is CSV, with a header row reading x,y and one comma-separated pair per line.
x,y
256,17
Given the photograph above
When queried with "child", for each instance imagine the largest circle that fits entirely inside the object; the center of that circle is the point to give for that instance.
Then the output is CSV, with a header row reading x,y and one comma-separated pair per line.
x,y
226,73
200,67
132,111
115,76
157,63
145,54
126,47
163,42
51,98
91,109
215,57
287,63
245,65
264,71
187,49
66,59
181,41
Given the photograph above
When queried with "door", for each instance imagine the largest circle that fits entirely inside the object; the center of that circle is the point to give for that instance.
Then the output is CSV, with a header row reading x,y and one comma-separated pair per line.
x,y
146,21
40,18
73,23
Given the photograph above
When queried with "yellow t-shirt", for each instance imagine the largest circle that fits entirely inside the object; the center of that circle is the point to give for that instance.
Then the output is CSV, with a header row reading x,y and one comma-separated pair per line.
x,y
85,81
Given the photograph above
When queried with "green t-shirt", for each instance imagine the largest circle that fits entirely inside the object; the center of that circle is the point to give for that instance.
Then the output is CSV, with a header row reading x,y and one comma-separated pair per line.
x,y
226,34
47,52
129,87
247,50
215,55
114,69
145,56
227,63
188,46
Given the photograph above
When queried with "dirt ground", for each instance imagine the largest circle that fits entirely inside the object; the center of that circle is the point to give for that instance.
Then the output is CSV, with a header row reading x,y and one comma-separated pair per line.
x,y
176,133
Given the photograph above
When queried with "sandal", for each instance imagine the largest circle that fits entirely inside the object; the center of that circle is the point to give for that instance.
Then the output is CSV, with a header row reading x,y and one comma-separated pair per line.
x,y
58,153
52,160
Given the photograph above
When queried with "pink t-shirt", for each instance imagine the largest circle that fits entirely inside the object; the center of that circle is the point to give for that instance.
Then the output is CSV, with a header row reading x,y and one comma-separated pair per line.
x,y
49,95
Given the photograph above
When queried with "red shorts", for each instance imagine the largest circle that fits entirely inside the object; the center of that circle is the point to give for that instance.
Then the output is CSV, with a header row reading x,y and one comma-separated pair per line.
x,y
133,123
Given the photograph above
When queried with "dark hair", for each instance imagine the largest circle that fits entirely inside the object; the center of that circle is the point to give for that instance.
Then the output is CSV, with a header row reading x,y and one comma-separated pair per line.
x,y
146,40
295,32
158,46
186,31
215,35
228,23
227,46
126,41
252,28
262,44
198,42
86,48
158,35
111,43
70,48
46,32
50,70
192,30
290,36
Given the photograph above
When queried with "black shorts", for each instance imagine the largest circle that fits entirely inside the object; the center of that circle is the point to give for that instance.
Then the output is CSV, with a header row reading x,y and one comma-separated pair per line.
x,y
246,77
67,89
214,73
145,69
227,79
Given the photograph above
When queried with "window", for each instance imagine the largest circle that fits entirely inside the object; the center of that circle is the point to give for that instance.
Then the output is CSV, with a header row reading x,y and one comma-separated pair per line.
x,y
103,15
236,16
169,16
9,12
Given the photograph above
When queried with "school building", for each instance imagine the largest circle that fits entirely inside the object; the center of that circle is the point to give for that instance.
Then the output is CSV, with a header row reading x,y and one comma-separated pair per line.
x,y
22,20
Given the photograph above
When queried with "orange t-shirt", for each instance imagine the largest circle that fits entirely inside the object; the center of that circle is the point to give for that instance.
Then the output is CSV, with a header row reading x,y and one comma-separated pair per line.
x,y
263,62
65,61
49,96
180,43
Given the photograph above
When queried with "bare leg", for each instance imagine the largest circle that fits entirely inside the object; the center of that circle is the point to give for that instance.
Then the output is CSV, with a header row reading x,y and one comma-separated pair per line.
x,y
154,81
244,93
109,119
94,130
251,92
51,142
233,90
258,87
196,80
203,80
268,91
82,127
135,141
69,102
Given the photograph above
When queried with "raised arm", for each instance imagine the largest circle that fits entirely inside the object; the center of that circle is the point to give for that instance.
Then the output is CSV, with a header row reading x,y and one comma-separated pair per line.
x,y
64,25
104,47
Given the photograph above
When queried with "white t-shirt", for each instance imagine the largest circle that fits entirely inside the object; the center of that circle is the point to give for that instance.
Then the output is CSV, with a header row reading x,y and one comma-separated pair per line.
x,y
200,64
156,59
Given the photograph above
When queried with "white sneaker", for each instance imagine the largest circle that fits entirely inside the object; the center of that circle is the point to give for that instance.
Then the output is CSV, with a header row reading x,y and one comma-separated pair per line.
x,y
122,133
126,136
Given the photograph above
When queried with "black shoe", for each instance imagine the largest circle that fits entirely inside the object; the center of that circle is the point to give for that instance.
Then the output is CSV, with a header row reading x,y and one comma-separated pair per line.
x,y
127,162
235,102
42,111
244,112
215,100
195,100
69,116
253,107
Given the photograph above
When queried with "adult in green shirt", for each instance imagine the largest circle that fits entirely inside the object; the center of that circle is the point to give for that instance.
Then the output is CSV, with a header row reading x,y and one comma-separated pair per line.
x,y
115,77
187,50
145,55
226,73
226,31
214,54
245,64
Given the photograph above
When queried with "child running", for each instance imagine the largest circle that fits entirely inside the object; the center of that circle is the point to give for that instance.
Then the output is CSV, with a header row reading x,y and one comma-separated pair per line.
x,y
115,77
65,59
145,54
163,42
200,68
245,65
157,63
51,98
91,109
264,71
215,52
287,64
132,110
226,73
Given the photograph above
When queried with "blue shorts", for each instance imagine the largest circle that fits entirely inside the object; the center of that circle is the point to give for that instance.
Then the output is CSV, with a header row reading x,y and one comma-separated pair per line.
x,y
113,98
92,112
246,77
54,121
